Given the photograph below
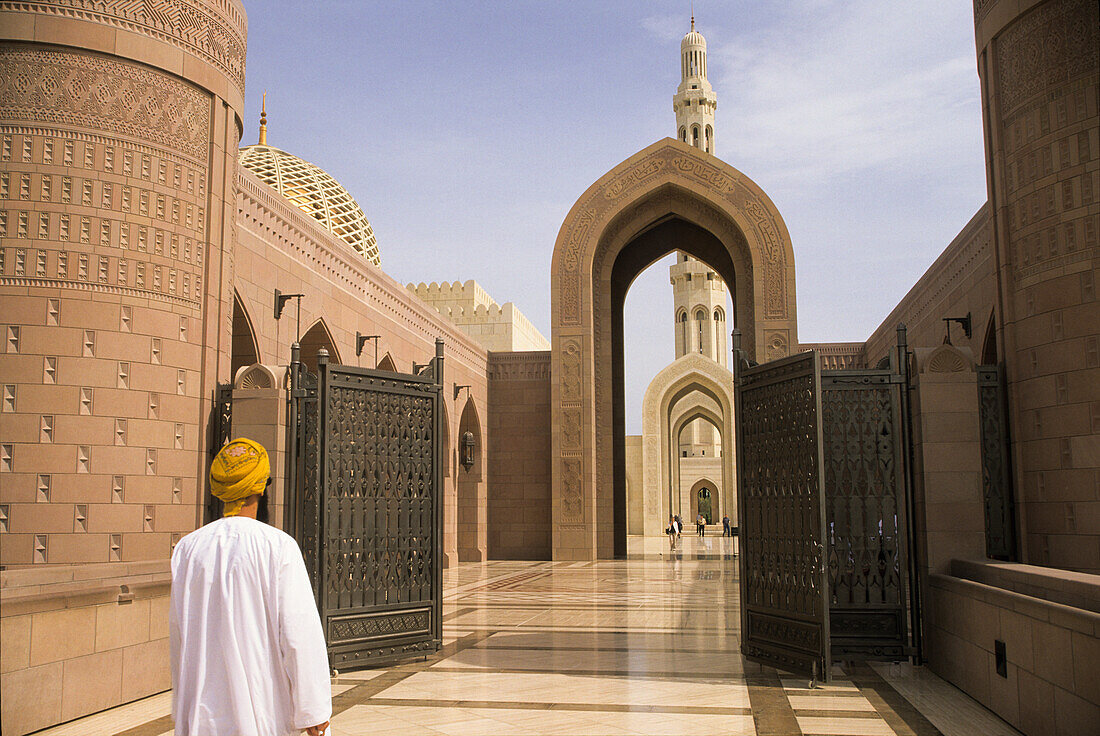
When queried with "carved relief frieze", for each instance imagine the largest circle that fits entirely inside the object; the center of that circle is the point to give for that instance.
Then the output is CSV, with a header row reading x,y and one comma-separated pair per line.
x,y
89,91
534,366
571,370
1047,46
572,492
712,175
571,428
777,344
195,26
637,175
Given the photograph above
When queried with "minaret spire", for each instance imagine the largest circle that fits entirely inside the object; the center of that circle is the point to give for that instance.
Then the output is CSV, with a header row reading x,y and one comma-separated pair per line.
x,y
263,121
694,102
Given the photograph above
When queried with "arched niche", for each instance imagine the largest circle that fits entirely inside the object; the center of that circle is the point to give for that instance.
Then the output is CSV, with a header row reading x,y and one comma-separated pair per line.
x,y
317,337
668,197
693,493
662,421
387,364
472,500
245,349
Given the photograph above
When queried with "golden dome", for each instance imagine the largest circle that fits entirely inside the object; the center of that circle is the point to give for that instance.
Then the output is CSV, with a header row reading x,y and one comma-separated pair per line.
x,y
312,190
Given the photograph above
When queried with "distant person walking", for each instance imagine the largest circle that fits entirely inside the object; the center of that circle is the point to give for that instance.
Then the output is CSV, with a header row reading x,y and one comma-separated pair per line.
x,y
701,525
248,651
726,525
673,531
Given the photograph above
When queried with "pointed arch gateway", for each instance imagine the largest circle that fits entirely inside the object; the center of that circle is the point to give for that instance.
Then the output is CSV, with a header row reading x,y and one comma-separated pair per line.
x,y
667,197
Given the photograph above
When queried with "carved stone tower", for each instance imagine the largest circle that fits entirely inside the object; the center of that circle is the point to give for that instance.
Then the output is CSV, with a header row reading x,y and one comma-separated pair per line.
x,y
698,292
694,101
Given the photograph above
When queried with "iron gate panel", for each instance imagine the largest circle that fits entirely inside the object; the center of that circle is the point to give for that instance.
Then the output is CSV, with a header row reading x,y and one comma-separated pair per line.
x,y
866,516
784,608
370,509
1000,514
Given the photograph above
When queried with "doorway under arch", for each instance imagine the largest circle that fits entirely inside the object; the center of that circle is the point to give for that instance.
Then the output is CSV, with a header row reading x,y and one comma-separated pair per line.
x,y
245,349
317,337
472,507
669,197
704,500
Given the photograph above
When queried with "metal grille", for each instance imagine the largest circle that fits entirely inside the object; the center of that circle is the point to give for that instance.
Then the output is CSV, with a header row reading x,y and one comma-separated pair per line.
x,y
1000,514
865,498
369,508
785,615
221,427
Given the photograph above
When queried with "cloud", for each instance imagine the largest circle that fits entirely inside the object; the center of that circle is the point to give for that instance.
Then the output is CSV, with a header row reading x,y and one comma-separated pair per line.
x,y
828,97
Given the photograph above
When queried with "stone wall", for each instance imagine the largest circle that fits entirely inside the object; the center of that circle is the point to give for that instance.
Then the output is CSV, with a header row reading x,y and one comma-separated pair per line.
x,y
1040,72
519,436
80,639
1051,673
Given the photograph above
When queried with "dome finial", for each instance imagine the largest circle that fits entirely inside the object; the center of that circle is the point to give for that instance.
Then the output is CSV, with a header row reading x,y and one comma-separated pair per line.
x,y
263,121
693,15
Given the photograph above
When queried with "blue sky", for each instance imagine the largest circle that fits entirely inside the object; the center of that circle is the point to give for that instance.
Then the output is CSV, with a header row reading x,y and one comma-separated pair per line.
x,y
466,131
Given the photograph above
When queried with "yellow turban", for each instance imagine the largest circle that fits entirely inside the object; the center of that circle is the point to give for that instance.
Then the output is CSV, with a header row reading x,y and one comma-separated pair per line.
x,y
239,470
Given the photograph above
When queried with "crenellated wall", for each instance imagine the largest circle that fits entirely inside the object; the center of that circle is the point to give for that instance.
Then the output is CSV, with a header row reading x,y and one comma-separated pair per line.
x,y
502,328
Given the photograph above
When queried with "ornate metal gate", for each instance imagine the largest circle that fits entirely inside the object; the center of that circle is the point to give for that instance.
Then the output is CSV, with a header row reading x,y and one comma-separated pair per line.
x,y
867,501
1000,514
369,506
784,605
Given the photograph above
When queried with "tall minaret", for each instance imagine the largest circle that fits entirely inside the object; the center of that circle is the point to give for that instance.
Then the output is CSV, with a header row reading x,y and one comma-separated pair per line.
x,y
694,101
699,294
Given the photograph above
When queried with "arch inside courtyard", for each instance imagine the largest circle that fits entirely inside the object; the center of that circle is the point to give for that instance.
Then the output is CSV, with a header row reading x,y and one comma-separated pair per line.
x,y
693,387
668,197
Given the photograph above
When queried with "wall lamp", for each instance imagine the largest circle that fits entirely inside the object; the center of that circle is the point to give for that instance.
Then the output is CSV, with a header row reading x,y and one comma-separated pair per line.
x,y
280,302
458,390
964,321
361,340
466,456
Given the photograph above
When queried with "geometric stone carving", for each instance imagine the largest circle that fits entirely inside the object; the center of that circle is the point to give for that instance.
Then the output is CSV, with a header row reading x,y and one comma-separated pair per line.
x,y
85,90
259,376
944,359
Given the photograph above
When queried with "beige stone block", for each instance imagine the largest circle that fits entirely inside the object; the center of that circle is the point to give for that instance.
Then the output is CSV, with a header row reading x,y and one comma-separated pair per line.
x,y
1016,634
1004,693
57,635
146,546
121,624
73,548
91,683
81,488
32,698
145,669
149,51
115,518
1036,703
158,617
1074,716
1086,666
17,26
15,643
1053,655
41,518
952,456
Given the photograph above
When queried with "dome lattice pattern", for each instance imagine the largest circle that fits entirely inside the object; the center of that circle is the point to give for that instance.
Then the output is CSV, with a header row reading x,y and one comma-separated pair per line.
x,y
312,190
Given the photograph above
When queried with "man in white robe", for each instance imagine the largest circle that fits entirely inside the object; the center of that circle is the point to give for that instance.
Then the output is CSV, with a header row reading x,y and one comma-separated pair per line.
x,y
248,649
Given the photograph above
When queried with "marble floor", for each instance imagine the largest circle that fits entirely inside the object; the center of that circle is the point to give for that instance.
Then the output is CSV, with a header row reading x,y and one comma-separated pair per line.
x,y
645,645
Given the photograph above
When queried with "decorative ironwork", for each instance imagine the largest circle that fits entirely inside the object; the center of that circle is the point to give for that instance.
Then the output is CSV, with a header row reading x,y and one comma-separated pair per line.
x,y
368,483
785,613
221,429
866,513
1000,513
